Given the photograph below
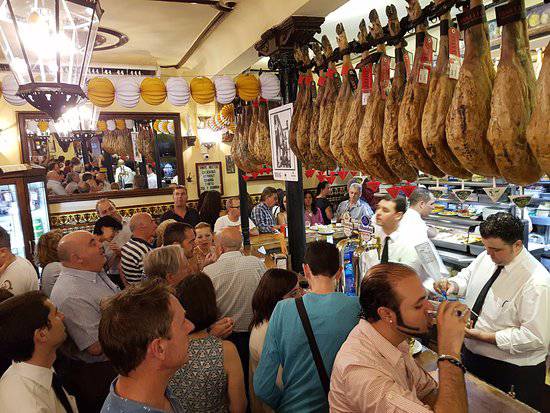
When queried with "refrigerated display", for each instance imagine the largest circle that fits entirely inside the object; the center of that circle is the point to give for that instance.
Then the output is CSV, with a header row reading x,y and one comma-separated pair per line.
x,y
10,218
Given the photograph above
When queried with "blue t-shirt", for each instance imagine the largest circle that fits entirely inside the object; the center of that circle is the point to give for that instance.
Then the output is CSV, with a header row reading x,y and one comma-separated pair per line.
x,y
332,317
116,404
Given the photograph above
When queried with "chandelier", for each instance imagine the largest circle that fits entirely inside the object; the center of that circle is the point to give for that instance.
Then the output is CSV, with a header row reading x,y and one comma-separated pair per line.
x,y
78,122
48,45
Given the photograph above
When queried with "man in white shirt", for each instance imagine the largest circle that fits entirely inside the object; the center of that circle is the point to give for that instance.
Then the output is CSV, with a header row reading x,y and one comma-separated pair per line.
x,y
151,177
31,331
54,185
16,273
510,292
233,218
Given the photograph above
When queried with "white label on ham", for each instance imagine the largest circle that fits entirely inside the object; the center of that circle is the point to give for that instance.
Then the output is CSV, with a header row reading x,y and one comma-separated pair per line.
x,y
454,66
423,76
365,98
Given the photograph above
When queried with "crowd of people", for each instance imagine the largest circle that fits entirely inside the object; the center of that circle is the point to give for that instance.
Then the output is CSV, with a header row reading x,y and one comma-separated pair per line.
x,y
66,177
175,317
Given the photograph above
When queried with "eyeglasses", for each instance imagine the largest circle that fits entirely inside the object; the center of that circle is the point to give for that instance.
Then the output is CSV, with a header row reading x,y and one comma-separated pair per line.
x,y
235,206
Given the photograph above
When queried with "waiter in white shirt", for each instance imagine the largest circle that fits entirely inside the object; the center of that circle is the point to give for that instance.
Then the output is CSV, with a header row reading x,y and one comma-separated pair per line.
x,y
509,289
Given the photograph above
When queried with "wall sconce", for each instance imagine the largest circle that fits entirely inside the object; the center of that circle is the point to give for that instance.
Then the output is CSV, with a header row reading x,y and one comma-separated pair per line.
x,y
190,140
189,177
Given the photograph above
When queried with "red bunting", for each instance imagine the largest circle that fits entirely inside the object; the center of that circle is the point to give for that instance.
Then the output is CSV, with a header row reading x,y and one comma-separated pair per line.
x,y
268,170
246,177
333,173
310,172
408,189
343,174
394,191
353,173
255,174
374,186
321,176
331,179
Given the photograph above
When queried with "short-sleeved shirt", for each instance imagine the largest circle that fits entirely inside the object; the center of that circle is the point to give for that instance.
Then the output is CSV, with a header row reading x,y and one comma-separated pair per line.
x,y
371,375
191,217
131,260
116,404
356,211
323,204
78,294
263,218
224,222
19,277
49,276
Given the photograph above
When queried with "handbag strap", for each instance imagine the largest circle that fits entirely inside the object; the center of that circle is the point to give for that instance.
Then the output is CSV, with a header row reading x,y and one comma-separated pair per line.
x,y
313,345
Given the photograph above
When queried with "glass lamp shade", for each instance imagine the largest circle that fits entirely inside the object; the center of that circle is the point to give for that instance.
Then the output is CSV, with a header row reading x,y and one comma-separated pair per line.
x,y
208,137
78,120
48,45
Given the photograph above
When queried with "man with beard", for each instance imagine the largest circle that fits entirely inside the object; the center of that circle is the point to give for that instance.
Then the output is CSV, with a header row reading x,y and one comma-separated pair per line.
x,y
374,372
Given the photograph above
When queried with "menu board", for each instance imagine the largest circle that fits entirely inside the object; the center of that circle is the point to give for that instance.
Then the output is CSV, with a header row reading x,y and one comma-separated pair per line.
x,y
209,177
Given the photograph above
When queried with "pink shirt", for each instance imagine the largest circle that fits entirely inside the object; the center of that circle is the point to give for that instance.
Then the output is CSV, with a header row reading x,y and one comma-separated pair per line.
x,y
314,219
371,375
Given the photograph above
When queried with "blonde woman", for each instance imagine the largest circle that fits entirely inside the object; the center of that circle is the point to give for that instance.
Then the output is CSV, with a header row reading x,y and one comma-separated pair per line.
x,y
204,251
161,228
47,259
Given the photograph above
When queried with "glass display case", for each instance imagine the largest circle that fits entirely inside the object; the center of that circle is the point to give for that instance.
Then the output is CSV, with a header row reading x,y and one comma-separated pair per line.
x,y
23,207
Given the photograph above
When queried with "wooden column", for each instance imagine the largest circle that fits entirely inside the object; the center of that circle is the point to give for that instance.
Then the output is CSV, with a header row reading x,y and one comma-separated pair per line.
x,y
278,43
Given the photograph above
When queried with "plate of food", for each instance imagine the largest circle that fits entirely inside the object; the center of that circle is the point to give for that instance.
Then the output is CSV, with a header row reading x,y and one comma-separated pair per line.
x,y
314,227
448,213
325,230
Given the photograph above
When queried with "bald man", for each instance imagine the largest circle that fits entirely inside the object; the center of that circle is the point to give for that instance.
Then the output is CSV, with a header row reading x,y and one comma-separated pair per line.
x,y
53,184
143,228
77,293
235,277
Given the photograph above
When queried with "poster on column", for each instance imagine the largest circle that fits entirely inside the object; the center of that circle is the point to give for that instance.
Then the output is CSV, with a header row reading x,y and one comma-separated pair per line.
x,y
209,177
285,164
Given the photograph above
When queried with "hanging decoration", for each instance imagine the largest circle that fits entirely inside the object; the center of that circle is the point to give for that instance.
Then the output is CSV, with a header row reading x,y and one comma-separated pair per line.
x,y
101,91
177,91
248,87
111,125
43,125
156,125
202,90
127,92
225,89
270,87
101,125
10,89
129,124
153,91
120,124
224,119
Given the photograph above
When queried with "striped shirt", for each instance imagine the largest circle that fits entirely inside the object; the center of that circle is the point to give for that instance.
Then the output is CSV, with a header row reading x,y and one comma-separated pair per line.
x,y
131,259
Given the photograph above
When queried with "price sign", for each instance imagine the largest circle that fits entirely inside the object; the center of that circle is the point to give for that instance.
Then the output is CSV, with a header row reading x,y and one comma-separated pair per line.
x,y
209,177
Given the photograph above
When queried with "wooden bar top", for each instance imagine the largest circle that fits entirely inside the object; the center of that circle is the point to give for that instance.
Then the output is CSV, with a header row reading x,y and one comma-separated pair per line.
x,y
482,397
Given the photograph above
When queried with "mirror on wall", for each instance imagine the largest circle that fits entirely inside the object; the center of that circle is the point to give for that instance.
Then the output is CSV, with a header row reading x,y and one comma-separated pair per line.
x,y
128,154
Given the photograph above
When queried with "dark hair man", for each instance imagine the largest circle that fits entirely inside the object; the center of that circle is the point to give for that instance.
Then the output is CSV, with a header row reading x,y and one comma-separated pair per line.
x,y
332,316
261,213
144,332
180,211
183,235
374,372
422,203
510,292
17,274
31,330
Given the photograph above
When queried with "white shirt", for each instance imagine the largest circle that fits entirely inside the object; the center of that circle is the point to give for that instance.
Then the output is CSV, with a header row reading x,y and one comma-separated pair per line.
x,y
224,222
49,276
20,277
55,187
516,308
26,388
120,239
235,277
126,174
412,223
152,181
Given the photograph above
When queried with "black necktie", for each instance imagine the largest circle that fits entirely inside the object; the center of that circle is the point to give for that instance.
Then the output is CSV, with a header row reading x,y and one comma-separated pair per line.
x,y
60,393
478,305
385,251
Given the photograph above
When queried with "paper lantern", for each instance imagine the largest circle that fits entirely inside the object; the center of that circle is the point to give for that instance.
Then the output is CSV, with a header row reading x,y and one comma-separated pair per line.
x,y
177,91
156,125
43,125
120,124
111,125
129,124
101,92
225,89
153,91
51,126
101,125
170,127
127,92
270,86
202,90
248,87
10,89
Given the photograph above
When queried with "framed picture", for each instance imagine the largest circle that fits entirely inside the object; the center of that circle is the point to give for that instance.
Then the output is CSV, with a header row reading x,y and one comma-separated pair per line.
x,y
229,164
209,177
285,164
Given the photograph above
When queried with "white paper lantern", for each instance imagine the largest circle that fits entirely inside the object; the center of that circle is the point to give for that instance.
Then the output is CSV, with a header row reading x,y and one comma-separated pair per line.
x,y
270,86
127,92
111,125
177,91
9,89
225,89
170,127
129,124
31,126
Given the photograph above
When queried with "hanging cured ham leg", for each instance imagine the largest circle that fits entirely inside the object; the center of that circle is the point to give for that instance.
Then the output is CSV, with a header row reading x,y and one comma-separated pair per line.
x,y
538,132
370,134
414,100
354,118
328,103
512,105
343,101
442,86
468,117
306,113
392,151
298,104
